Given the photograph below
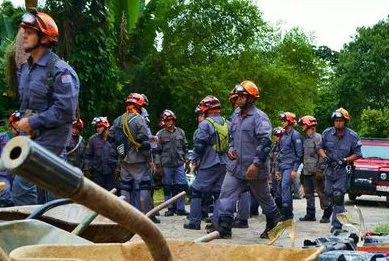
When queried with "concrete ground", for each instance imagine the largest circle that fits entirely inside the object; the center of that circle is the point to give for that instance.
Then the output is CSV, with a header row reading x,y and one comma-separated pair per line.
x,y
373,210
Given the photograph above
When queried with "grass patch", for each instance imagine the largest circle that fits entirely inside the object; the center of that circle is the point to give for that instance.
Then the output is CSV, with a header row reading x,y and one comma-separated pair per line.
x,y
158,196
384,228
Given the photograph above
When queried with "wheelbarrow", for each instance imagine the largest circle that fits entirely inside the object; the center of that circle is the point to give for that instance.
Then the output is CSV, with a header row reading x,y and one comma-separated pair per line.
x,y
14,234
24,157
68,217
181,250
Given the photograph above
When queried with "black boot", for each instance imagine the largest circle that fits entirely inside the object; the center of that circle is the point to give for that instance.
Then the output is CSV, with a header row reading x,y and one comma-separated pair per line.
x,y
224,227
326,215
182,212
240,223
191,226
155,220
308,218
286,213
169,213
271,222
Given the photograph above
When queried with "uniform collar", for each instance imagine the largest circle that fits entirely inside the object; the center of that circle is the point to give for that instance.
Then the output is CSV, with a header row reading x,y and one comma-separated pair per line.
x,y
175,128
333,131
44,59
213,114
251,110
290,131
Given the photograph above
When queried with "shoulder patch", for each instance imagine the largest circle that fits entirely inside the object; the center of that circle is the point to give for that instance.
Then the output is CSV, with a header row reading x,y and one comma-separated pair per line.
x,y
66,78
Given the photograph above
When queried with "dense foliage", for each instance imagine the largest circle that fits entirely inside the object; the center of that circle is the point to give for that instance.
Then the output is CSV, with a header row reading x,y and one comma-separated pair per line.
x,y
177,52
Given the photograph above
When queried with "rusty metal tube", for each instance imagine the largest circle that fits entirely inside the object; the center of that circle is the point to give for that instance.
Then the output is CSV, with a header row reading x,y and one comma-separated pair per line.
x,y
26,158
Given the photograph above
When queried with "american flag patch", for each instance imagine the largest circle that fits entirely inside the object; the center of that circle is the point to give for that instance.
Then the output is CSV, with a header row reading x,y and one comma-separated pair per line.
x,y
66,78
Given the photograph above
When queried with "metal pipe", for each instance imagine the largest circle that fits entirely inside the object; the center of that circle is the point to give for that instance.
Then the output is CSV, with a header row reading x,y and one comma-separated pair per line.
x,y
26,158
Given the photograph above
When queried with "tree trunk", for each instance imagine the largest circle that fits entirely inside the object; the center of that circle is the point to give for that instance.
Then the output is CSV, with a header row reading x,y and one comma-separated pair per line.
x,y
30,4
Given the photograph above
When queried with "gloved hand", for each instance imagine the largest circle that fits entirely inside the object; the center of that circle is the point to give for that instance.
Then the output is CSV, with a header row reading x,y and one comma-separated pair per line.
x,y
158,170
87,173
116,174
341,163
187,166
336,164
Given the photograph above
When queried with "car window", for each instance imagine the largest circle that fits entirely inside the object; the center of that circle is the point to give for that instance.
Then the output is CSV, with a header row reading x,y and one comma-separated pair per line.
x,y
369,151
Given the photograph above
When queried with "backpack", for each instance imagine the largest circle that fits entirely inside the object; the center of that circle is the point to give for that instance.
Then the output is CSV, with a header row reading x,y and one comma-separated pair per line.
x,y
221,131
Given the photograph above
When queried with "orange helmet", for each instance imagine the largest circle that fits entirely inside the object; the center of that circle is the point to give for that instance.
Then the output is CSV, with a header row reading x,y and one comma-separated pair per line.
x,y
100,121
41,22
136,99
341,113
146,99
288,116
247,87
309,121
165,116
209,103
79,124
14,117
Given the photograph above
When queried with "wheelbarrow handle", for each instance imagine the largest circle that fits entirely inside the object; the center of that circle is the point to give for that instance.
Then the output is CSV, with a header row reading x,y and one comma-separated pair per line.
x,y
161,206
85,222
24,157
207,238
165,204
38,212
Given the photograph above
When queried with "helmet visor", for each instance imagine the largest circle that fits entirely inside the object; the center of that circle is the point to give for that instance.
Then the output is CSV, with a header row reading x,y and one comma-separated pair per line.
x,y
239,89
29,19
337,115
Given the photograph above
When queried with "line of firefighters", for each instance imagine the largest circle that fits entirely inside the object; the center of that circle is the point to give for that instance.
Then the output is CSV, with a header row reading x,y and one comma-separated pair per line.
x,y
232,161
231,158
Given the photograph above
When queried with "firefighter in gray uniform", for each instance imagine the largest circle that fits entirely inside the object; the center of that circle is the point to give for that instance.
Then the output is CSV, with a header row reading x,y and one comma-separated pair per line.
x,y
171,154
313,171
129,134
274,151
289,160
340,147
211,144
249,161
75,149
48,90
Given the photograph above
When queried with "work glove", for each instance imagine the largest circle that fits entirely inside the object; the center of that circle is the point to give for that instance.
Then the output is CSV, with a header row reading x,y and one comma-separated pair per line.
x,y
87,173
158,170
340,164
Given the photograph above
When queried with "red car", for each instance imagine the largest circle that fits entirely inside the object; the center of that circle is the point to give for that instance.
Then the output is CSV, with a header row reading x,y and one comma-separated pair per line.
x,y
371,174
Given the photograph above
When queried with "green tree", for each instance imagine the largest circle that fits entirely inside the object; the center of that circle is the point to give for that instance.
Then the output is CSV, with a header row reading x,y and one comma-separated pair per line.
x,y
88,41
327,99
9,16
374,123
207,47
362,74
